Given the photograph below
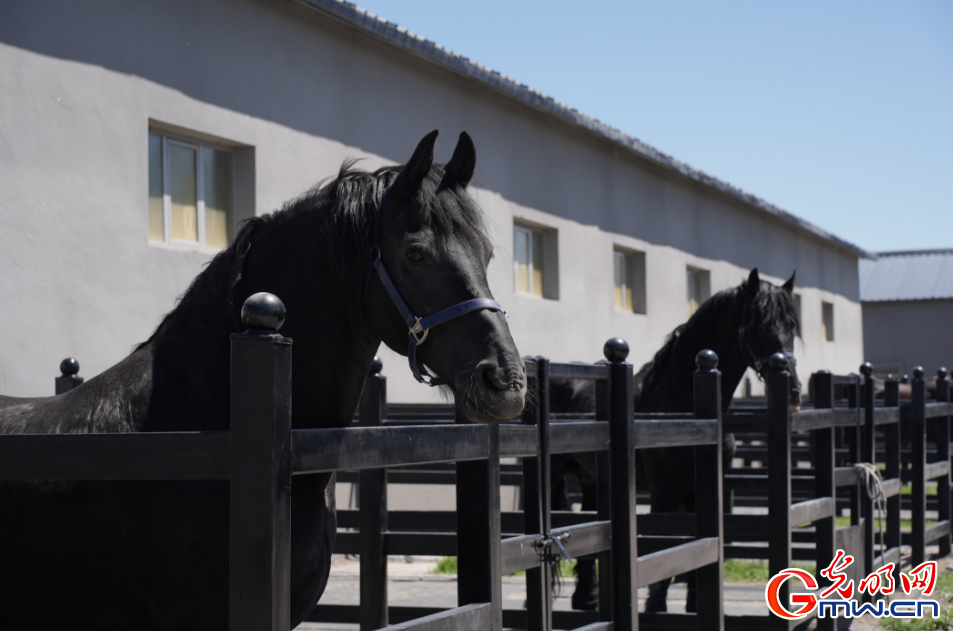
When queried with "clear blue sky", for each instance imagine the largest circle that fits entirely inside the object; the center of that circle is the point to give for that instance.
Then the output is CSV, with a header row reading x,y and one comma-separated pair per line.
x,y
840,112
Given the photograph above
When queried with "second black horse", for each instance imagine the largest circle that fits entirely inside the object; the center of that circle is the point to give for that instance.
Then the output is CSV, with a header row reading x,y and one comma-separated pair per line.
x,y
744,325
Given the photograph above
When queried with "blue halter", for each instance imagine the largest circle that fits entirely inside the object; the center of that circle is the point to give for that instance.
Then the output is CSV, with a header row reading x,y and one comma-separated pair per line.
x,y
418,327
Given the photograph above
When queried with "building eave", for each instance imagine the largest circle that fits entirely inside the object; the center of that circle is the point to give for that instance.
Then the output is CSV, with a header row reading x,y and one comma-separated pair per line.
x,y
433,52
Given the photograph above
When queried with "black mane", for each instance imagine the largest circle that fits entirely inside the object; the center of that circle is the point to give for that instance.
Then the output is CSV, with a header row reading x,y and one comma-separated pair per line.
x,y
346,206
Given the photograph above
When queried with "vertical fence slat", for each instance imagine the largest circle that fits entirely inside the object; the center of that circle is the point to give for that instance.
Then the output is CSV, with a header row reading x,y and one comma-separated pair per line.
x,y
853,449
708,495
824,486
918,453
536,485
867,454
625,598
478,530
372,501
779,476
604,506
260,489
943,455
892,469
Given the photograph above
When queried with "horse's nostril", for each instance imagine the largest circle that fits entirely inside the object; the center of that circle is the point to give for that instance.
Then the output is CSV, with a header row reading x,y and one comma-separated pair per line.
x,y
493,376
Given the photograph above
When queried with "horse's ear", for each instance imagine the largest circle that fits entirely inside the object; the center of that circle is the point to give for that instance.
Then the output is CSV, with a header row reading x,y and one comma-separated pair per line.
x,y
463,163
754,282
788,286
412,175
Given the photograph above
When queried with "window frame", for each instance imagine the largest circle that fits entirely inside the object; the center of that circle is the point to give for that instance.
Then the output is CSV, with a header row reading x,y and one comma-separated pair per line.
x,y
171,139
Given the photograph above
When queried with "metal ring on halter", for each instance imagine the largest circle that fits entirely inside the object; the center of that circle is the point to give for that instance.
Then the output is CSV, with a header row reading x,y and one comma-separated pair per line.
x,y
417,328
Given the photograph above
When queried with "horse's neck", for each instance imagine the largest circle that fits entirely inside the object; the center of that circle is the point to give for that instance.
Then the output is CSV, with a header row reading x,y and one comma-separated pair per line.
x,y
675,385
333,348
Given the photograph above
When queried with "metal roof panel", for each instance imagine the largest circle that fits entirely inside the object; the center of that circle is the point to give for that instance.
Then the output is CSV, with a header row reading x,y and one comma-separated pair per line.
x,y
926,275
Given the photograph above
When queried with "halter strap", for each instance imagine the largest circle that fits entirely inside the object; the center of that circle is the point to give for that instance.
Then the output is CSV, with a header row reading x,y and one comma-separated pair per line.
x,y
418,328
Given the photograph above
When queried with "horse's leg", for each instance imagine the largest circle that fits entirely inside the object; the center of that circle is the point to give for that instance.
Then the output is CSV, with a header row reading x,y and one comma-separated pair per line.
x,y
586,596
313,532
670,475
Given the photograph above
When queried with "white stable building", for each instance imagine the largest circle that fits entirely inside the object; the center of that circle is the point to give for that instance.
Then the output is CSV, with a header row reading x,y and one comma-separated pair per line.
x,y
135,135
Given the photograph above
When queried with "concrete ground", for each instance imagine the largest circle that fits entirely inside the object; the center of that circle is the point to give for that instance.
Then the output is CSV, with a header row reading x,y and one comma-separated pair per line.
x,y
412,583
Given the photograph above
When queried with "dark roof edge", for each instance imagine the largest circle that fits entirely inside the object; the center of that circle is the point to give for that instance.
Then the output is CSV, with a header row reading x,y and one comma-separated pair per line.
x,y
921,299
915,252
401,37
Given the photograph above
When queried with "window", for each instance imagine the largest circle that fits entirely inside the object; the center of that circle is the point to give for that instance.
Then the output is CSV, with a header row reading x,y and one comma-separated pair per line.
x,y
528,259
699,288
629,272
534,262
190,193
827,320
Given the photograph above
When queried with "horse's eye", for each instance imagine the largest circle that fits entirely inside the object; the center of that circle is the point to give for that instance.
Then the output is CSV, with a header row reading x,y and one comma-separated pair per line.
x,y
415,256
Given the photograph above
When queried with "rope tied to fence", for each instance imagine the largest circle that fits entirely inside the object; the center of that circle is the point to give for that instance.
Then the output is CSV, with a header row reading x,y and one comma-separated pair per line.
x,y
874,485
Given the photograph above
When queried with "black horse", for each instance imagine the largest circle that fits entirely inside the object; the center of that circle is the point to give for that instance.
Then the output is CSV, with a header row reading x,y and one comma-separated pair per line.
x,y
743,325
154,555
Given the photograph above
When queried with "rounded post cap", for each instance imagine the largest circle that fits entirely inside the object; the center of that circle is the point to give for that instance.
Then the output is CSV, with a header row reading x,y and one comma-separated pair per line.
x,y
778,361
889,377
905,378
69,366
377,365
706,359
616,349
942,372
867,369
918,372
263,312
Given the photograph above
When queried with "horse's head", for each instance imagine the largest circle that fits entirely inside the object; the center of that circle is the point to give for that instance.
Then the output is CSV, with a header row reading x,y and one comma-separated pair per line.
x,y
769,324
433,252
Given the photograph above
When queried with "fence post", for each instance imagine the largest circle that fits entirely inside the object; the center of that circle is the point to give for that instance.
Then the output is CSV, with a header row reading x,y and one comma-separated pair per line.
x,y
372,490
260,488
536,494
604,505
854,434
824,486
779,475
892,470
69,379
709,518
943,455
625,566
868,454
478,530
918,457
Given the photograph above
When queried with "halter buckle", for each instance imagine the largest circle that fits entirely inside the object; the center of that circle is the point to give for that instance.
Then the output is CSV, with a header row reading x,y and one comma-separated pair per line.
x,y
416,331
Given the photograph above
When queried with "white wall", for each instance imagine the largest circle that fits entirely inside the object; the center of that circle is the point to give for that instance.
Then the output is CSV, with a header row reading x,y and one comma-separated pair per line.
x,y
80,85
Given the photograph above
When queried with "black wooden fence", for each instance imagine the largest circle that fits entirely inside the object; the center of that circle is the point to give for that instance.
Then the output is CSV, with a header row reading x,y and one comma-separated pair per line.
x,y
832,434
610,531
633,552
260,453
